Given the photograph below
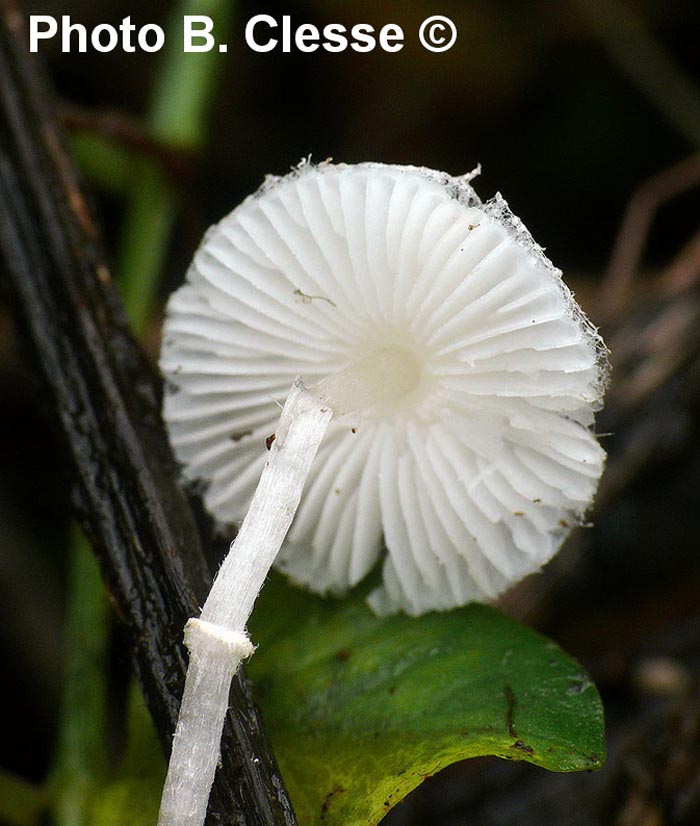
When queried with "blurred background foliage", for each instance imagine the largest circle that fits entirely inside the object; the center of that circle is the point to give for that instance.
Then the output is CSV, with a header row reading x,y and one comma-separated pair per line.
x,y
570,107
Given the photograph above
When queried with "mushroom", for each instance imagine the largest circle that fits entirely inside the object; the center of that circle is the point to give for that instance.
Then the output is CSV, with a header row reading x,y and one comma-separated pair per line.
x,y
447,363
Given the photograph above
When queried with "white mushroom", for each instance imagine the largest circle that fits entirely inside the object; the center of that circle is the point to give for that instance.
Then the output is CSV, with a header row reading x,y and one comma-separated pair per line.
x,y
460,374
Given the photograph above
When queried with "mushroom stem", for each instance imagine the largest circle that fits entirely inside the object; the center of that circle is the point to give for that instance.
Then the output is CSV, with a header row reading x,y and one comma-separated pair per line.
x,y
217,641
301,428
214,658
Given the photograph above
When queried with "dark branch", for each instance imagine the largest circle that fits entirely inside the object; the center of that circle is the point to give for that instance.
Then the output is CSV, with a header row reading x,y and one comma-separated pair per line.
x,y
105,399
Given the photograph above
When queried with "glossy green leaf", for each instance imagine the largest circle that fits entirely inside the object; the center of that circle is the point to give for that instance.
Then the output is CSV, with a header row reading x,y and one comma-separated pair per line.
x,y
360,710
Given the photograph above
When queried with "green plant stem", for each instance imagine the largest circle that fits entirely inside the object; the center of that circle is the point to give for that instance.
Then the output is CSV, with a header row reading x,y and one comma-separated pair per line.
x,y
177,119
148,225
80,760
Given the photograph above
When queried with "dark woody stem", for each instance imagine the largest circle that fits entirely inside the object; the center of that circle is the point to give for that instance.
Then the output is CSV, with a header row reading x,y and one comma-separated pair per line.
x,y
105,401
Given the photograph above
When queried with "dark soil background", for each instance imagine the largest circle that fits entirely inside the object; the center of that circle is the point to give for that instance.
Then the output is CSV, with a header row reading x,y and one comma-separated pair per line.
x,y
557,102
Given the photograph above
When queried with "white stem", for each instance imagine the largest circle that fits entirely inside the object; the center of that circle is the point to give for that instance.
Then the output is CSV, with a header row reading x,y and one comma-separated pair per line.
x,y
217,641
214,659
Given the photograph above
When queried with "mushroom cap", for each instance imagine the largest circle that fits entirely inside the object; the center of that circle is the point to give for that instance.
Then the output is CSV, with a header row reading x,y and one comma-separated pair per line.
x,y
471,479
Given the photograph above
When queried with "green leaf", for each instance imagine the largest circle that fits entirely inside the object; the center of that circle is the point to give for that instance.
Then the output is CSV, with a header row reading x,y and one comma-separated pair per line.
x,y
360,710
81,757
